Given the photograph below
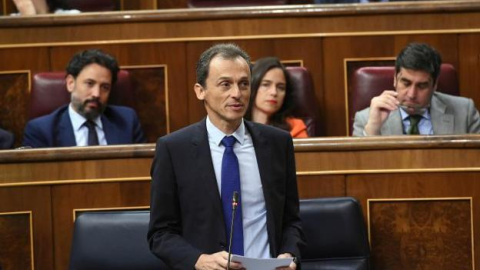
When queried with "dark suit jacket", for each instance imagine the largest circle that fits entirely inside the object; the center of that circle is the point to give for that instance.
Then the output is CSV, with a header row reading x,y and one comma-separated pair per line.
x,y
6,139
120,124
186,218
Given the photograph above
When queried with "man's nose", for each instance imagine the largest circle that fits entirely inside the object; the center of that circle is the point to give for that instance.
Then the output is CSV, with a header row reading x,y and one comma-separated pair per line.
x,y
412,91
236,93
95,92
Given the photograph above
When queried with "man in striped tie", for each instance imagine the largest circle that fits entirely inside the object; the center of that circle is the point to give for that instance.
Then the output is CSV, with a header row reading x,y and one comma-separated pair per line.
x,y
198,169
415,107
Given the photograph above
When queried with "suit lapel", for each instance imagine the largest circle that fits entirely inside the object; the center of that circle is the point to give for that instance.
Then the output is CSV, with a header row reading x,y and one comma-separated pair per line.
x,y
393,125
201,154
64,135
110,131
442,122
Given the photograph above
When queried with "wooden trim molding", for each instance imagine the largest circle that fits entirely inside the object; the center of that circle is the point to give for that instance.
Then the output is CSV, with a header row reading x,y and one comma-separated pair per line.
x,y
30,221
244,12
27,71
240,37
318,144
167,95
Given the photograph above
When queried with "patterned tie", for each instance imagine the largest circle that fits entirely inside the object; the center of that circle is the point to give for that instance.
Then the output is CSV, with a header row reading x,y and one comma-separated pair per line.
x,y
92,133
231,183
414,120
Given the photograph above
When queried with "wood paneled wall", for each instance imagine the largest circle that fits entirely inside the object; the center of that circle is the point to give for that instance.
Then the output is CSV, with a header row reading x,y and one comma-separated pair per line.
x,y
418,195
324,38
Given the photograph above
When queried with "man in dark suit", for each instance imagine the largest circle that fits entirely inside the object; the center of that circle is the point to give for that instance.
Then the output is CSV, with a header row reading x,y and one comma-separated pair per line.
x,y
6,139
87,120
188,228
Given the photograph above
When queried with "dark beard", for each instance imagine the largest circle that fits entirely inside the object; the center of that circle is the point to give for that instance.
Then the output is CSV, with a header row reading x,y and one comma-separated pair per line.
x,y
92,113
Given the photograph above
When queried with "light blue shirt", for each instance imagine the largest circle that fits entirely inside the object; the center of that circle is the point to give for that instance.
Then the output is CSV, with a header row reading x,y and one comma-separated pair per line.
x,y
424,126
254,212
81,131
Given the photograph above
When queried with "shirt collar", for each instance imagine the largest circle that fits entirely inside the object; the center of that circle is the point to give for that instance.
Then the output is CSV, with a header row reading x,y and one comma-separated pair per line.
x,y
78,120
405,115
217,135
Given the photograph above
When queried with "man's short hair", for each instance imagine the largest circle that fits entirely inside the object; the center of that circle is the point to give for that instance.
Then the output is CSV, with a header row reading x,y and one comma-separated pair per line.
x,y
419,56
227,51
87,57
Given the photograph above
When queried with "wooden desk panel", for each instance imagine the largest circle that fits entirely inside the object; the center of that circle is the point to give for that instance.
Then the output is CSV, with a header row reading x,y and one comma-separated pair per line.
x,y
37,201
407,173
445,232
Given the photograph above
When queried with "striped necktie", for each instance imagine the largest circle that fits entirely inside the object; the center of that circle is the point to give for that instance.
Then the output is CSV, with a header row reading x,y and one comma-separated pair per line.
x,y
414,120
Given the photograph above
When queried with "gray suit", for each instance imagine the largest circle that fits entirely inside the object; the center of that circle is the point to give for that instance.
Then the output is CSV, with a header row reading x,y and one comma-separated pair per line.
x,y
449,114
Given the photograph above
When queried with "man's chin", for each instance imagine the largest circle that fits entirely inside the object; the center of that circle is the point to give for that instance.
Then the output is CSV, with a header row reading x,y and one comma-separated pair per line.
x,y
91,113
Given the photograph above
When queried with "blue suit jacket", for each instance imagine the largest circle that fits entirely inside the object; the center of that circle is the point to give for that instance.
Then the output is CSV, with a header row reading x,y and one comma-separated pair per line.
x,y
120,124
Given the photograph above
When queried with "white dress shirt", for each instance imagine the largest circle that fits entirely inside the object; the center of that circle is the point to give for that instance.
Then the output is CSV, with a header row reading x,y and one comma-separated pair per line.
x,y
81,131
254,212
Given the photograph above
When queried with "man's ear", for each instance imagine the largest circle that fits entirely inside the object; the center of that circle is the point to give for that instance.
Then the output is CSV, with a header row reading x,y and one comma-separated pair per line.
x,y
70,82
395,81
199,91
435,86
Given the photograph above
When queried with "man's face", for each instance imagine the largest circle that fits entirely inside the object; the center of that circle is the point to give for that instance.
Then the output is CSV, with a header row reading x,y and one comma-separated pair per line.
x,y
227,91
90,90
415,89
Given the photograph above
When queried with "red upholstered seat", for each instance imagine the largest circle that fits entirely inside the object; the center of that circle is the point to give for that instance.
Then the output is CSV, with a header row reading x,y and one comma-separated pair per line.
x,y
49,92
306,106
233,3
369,82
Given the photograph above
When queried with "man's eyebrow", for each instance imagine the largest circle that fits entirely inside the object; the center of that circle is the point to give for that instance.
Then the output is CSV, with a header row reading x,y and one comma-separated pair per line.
x,y
224,78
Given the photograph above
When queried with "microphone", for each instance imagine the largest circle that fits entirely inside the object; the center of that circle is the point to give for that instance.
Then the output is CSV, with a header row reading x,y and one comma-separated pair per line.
x,y
234,208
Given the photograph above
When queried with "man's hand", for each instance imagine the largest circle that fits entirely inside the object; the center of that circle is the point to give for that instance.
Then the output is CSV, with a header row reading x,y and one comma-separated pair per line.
x,y
292,266
217,260
380,108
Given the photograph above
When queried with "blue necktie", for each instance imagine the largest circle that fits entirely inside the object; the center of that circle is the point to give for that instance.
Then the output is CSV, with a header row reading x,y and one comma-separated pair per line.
x,y
231,183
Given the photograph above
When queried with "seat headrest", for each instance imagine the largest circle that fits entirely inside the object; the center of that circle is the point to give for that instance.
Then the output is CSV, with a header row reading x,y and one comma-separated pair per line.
x,y
49,92
306,106
112,240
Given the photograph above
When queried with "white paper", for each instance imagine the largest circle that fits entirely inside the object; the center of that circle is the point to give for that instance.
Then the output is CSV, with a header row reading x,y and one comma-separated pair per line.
x,y
264,264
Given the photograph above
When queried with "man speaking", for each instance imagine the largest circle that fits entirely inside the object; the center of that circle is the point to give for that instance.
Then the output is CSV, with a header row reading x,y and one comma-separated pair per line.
x,y
197,169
